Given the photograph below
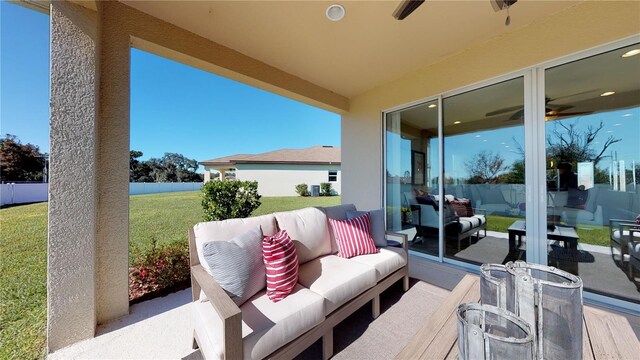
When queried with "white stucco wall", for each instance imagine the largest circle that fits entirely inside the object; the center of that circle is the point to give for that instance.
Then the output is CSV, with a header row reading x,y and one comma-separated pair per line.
x,y
71,282
281,179
581,27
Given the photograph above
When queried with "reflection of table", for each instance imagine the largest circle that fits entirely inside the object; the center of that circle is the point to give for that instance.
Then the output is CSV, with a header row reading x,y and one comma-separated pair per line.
x,y
560,233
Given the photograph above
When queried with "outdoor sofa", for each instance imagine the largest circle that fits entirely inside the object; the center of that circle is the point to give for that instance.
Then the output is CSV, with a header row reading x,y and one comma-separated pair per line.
x,y
457,228
329,289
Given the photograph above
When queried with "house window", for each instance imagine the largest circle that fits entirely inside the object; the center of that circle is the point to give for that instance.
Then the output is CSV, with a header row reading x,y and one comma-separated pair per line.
x,y
333,175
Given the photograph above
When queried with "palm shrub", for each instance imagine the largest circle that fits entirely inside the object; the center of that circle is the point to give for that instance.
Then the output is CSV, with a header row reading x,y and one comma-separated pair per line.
x,y
325,189
302,190
223,200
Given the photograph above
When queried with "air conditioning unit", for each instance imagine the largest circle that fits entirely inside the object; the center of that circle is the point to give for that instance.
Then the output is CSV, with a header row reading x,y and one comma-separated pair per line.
x,y
315,190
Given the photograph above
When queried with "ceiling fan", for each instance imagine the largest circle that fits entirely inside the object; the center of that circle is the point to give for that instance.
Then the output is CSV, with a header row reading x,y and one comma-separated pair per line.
x,y
406,7
551,110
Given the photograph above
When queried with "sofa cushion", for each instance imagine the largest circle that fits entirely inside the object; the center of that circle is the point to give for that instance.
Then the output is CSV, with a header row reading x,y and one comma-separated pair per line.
x,y
615,236
309,230
377,226
266,326
354,236
338,280
228,229
462,207
237,265
338,212
385,262
281,263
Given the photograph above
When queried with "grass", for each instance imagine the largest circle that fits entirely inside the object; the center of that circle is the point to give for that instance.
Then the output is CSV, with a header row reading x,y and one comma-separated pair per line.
x,y
594,235
23,281
23,264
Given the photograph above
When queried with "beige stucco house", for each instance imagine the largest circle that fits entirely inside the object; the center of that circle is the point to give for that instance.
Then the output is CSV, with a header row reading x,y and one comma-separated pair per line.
x,y
366,67
278,172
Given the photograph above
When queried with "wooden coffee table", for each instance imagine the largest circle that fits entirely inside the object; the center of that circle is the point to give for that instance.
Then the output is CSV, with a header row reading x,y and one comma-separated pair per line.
x,y
605,335
566,234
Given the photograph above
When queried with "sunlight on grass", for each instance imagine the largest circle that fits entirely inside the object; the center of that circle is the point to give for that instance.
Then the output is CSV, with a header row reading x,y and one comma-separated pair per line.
x,y
23,265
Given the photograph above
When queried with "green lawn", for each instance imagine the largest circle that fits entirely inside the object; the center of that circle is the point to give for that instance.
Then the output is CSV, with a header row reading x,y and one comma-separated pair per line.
x,y
23,263
596,235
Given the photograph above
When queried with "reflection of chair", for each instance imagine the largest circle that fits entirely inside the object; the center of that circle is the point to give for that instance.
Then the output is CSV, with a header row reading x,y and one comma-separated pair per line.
x,y
425,217
623,233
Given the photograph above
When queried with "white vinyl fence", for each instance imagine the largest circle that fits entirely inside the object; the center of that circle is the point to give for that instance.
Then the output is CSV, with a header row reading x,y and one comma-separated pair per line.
x,y
37,192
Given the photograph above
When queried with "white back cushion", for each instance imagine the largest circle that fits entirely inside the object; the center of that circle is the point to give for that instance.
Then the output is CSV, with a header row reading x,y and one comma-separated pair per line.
x,y
309,230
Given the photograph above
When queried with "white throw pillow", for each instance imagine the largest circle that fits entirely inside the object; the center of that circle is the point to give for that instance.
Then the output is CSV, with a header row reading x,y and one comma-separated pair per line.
x,y
237,264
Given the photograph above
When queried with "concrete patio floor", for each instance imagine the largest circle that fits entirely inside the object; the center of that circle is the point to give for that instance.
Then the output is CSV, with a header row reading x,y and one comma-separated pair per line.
x,y
162,328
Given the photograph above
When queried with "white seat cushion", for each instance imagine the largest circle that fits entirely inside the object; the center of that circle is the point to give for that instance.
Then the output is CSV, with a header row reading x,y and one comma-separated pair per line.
x,y
309,230
266,326
338,280
388,260
634,250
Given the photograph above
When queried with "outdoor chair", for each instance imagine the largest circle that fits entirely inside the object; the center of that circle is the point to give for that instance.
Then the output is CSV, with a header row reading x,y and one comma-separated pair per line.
x,y
623,233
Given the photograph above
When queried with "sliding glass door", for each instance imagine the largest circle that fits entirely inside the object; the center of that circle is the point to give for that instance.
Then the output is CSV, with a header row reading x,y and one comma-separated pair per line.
x,y
484,174
412,174
593,170
541,166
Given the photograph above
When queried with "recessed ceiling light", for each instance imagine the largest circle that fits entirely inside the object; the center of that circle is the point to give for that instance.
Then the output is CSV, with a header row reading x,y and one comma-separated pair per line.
x,y
507,146
608,93
625,115
609,131
335,12
477,136
631,53
484,140
503,143
457,122
432,106
617,124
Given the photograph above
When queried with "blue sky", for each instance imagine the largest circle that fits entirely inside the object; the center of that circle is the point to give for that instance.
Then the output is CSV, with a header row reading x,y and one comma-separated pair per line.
x,y
174,107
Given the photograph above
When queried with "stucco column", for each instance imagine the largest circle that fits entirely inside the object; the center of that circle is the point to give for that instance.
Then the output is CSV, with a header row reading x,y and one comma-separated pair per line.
x,y
71,306
112,245
207,175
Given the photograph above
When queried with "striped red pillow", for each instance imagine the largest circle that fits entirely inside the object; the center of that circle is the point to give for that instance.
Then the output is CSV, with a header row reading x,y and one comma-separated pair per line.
x,y
281,263
353,236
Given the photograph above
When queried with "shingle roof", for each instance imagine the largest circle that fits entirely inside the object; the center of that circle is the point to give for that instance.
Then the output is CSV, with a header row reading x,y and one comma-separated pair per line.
x,y
317,155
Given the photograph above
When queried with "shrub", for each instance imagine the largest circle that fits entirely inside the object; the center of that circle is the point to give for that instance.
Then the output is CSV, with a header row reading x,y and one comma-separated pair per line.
x,y
302,190
325,189
229,199
162,270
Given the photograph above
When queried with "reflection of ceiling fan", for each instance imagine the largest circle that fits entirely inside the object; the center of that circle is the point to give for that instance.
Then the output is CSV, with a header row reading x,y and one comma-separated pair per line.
x,y
406,7
551,110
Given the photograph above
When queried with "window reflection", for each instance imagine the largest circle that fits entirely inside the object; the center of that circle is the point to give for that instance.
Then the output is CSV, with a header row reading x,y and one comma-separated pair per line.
x,y
412,173
593,170
484,169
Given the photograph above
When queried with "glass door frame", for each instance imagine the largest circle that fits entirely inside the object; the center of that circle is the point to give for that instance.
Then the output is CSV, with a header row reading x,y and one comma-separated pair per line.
x,y
535,164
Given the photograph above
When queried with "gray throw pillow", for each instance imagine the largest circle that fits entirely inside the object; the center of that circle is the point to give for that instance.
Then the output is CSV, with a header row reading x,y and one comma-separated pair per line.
x,y
237,264
378,232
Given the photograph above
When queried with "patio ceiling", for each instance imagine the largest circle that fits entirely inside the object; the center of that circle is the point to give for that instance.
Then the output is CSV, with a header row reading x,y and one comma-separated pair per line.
x,y
368,48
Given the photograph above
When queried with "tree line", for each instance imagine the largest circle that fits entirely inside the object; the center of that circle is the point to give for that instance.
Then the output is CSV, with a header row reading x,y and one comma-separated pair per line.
x,y
172,167
26,163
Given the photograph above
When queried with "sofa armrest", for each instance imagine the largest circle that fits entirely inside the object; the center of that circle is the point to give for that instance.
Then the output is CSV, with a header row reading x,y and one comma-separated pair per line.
x,y
404,237
480,211
229,313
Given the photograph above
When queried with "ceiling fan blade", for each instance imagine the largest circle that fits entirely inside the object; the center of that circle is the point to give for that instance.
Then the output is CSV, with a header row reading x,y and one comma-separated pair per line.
x,y
548,100
562,114
504,110
557,108
406,8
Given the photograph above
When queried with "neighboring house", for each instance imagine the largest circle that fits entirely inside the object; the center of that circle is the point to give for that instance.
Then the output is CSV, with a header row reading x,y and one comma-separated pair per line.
x,y
278,172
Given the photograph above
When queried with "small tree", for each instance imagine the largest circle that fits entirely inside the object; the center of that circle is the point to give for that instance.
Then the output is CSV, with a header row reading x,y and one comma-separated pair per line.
x,y
325,189
223,200
302,190
485,167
